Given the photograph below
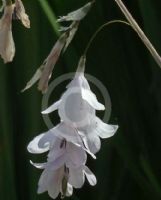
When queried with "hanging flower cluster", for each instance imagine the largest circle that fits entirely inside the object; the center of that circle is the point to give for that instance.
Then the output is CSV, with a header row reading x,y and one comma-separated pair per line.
x,y
77,134
7,46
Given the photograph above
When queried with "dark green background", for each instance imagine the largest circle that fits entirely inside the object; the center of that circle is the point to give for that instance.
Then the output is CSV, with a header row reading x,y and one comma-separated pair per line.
x,y
128,166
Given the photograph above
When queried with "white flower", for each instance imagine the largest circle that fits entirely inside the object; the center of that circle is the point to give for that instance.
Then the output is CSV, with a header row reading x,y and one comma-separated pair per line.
x,y
55,182
78,104
7,46
52,140
77,107
63,179
65,167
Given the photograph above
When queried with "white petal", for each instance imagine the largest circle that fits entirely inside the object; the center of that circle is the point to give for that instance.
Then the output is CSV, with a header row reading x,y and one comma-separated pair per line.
x,y
85,142
69,133
57,163
47,139
74,110
52,108
90,176
33,145
104,130
76,177
76,156
55,183
43,182
69,191
38,165
88,96
93,142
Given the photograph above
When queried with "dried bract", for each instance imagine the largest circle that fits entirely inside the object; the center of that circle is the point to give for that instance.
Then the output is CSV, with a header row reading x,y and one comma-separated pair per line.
x,y
21,14
7,46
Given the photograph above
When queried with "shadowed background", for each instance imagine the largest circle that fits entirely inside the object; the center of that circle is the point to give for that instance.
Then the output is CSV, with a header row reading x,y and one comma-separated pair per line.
x,y
129,164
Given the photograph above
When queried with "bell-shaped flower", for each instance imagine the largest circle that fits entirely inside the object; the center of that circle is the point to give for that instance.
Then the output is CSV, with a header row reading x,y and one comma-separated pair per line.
x,y
63,179
55,182
7,46
54,140
77,107
78,104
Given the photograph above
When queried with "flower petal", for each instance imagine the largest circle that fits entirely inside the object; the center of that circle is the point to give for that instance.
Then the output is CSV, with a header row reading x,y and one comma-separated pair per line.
x,y
69,191
88,96
55,183
52,108
33,145
57,163
76,156
90,176
104,130
38,165
92,142
47,139
76,177
69,133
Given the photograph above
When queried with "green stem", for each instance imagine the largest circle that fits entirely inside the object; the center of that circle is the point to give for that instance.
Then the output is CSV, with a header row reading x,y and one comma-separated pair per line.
x,y
50,15
100,29
139,31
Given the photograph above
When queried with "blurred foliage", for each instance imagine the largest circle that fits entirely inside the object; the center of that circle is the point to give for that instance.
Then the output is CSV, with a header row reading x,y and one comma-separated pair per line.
x,y
129,164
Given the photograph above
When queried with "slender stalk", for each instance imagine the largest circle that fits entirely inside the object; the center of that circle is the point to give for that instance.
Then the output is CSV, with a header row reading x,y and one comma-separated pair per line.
x,y
100,29
50,15
139,31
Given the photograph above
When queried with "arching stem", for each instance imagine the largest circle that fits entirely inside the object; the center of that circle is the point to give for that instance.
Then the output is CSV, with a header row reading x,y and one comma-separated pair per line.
x,y
100,29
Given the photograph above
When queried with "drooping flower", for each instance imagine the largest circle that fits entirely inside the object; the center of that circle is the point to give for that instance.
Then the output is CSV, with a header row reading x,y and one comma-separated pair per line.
x,y
65,167
63,179
77,107
7,46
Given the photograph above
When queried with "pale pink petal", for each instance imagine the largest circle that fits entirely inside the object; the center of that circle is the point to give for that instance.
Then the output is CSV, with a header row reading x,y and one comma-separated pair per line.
x,y
90,176
104,130
33,145
38,165
52,108
76,177
76,156
69,191
88,96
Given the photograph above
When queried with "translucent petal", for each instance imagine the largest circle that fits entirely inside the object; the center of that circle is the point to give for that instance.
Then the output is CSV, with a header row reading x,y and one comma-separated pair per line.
x,y
90,176
88,96
93,142
69,191
57,163
33,145
55,183
69,133
38,165
76,156
74,110
52,108
76,177
47,139
104,130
